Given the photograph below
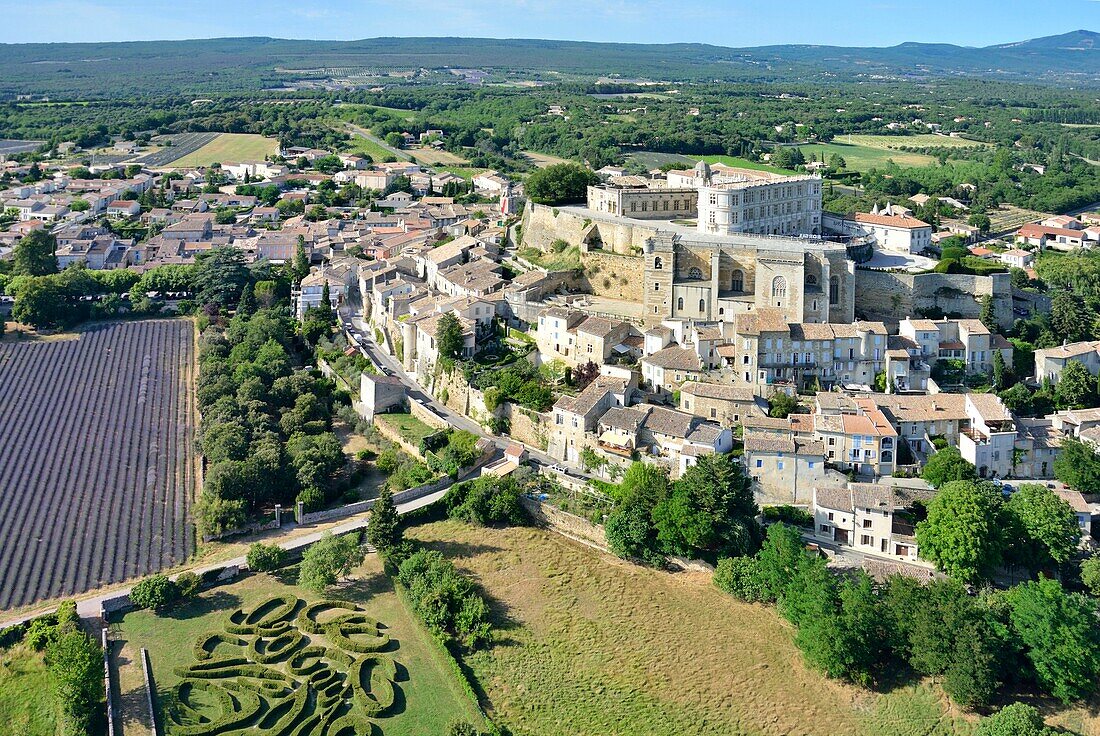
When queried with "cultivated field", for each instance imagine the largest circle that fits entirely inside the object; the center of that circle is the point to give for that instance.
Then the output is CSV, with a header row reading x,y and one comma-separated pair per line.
x,y
593,645
430,156
183,144
542,160
230,147
96,458
421,695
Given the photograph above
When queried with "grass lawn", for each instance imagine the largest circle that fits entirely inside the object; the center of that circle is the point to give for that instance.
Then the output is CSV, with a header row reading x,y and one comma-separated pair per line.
x,y
229,147
593,645
358,144
864,158
27,706
466,172
411,428
567,260
429,695
744,163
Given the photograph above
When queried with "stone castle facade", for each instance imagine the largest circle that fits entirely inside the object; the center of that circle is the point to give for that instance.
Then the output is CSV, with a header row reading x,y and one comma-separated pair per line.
x,y
714,278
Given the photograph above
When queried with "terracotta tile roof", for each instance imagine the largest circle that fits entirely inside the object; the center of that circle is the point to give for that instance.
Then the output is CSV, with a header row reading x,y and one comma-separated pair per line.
x,y
908,223
675,358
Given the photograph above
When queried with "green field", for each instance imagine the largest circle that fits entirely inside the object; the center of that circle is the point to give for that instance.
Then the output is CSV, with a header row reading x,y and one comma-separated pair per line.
x,y
378,153
428,695
230,147
411,428
865,152
466,172
27,706
744,163
592,645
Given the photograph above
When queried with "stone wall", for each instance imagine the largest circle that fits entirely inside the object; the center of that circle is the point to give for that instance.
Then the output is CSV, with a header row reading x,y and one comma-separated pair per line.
x,y
611,275
568,525
895,295
529,427
543,225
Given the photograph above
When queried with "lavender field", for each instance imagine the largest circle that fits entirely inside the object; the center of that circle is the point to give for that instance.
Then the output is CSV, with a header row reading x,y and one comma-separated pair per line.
x,y
97,468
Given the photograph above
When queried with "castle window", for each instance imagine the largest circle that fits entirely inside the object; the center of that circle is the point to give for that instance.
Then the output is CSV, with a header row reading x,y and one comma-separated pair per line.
x,y
779,288
680,303
657,263
811,279
737,280
695,273
834,290
702,306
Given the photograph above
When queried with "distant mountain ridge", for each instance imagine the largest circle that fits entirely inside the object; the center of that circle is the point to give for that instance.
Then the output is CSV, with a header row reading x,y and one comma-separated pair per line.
x,y
239,64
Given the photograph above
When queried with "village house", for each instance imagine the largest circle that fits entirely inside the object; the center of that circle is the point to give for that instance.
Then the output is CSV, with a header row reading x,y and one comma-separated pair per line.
x,y
1050,362
722,403
784,468
865,517
891,230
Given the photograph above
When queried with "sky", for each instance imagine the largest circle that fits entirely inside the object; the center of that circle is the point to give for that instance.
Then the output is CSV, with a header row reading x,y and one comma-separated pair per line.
x,y
719,22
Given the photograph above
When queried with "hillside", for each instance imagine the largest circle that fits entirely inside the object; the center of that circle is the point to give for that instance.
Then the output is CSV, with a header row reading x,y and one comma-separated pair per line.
x,y
241,64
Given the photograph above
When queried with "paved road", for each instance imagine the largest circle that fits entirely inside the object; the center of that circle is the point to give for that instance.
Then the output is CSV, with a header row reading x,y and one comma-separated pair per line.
x,y
417,392
364,133
90,607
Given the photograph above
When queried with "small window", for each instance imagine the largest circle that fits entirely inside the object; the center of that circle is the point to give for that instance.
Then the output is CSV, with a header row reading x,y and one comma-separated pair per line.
x,y
657,264
759,463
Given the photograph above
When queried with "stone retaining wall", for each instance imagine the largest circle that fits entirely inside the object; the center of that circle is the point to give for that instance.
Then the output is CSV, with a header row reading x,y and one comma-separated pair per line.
x,y
568,525
896,295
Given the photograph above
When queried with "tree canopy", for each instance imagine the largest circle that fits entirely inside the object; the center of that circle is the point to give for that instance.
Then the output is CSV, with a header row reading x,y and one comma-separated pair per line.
x,y
560,184
962,534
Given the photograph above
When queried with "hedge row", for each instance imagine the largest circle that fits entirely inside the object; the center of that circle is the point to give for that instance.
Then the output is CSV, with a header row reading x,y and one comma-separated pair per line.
x,y
372,678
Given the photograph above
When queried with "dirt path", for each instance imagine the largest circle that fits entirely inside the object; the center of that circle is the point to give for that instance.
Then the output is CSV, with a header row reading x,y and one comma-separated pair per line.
x,y
131,702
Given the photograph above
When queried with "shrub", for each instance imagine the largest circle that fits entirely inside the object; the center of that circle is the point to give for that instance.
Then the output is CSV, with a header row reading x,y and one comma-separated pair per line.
x,y
156,592
741,577
789,515
447,602
265,557
187,586
486,500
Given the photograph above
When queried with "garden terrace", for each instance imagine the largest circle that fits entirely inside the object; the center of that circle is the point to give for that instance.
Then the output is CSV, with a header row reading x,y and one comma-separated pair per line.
x,y
276,658
96,465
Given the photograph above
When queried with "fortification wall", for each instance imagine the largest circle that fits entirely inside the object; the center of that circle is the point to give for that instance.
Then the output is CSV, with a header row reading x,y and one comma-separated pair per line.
x,y
611,275
542,225
897,295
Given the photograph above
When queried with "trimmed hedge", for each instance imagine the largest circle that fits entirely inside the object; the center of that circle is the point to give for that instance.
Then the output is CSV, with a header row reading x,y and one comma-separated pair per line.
x,y
376,694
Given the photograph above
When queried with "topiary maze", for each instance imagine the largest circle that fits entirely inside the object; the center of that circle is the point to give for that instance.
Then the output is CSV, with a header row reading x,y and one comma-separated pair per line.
x,y
287,668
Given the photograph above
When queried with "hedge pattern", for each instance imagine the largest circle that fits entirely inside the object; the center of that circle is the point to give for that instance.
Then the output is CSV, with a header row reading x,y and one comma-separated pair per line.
x,y
286,668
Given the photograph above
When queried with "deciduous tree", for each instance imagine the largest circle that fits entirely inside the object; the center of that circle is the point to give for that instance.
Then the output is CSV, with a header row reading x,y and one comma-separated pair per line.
x,y
963,532
330,559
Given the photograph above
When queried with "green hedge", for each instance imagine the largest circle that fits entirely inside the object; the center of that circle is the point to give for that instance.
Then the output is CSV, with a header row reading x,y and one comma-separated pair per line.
x,y
376,694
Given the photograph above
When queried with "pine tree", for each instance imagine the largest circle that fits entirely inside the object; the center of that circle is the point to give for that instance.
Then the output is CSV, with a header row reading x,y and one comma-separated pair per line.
x,y
246,307
384,527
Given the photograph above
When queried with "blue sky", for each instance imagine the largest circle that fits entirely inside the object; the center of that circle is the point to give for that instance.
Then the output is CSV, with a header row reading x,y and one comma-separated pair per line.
x,y
720,22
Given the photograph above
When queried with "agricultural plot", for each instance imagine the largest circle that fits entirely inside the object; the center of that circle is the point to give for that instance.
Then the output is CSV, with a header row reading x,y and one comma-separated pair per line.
x,y
431,156
9,147
542,160
228,147
260,654
183,144
96,458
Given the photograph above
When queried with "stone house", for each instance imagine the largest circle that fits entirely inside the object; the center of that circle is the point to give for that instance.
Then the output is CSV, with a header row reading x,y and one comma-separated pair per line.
x,y
784,468
863,517
1050,362
722,403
